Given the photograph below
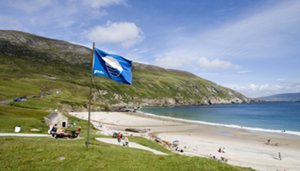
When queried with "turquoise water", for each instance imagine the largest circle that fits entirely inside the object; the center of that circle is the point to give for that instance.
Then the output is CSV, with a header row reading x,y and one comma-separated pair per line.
x,y
271,116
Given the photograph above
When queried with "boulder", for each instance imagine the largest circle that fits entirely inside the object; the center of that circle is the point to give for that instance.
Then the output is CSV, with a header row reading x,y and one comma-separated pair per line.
x,y
136,130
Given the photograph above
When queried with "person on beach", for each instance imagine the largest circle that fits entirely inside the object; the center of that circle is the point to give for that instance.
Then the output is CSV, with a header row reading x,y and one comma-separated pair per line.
x,y
279,155
126,142
223,150
179,149
119,137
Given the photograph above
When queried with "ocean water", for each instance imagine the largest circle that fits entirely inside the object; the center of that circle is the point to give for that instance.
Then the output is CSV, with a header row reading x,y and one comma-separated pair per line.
x,y
275,116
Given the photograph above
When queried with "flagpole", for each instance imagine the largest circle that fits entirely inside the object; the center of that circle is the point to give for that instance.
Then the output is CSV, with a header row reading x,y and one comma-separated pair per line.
x,y
87,142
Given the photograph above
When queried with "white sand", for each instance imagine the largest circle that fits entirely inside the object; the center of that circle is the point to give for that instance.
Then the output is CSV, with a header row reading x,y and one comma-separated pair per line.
x,y
243,147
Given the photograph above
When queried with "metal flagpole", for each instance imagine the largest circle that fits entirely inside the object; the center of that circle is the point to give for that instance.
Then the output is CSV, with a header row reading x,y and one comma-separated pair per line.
x,y
87,142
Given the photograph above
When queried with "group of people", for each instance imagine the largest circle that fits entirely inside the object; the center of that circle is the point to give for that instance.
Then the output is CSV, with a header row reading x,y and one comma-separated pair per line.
x,y
221,157
125,142
57,131
275,144
60,132
221,150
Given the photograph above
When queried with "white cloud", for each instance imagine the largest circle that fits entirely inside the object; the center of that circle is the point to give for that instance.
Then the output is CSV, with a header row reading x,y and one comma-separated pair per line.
x,y
266,89
205,63
180,59
124,33
172,61
175,59
258,90
104,3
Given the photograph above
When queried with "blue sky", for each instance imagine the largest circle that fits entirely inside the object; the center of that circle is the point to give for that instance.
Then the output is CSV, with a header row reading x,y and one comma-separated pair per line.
x,y
252,46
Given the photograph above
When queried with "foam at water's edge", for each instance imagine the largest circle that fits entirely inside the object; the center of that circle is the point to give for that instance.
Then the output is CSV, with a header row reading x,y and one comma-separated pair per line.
x,y
224,125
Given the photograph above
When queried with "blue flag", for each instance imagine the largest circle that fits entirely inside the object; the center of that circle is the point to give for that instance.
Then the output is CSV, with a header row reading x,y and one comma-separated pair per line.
x,y
112,66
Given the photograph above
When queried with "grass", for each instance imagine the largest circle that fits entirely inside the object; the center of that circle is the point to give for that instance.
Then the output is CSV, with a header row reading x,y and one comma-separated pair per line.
x,y
10,116
37,103
27,118
148,143
44,154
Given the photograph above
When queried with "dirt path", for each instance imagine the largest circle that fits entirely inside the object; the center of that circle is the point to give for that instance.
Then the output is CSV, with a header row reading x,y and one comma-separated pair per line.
x,y
23,135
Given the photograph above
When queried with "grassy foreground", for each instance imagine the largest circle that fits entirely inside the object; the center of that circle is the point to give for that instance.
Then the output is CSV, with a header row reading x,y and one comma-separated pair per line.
x,y
55,154
19,153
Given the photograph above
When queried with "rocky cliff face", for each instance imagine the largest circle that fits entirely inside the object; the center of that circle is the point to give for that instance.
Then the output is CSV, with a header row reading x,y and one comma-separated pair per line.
x,y
151,86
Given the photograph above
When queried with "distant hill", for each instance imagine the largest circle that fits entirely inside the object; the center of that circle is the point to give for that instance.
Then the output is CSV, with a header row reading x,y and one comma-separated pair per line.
x,y
283,97
34,65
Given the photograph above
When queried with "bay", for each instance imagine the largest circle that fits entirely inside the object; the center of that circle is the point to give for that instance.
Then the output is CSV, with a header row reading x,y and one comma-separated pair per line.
x,y
283,116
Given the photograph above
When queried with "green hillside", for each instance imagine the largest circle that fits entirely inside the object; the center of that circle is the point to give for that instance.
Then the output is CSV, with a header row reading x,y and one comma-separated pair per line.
x,y
34,65
56,74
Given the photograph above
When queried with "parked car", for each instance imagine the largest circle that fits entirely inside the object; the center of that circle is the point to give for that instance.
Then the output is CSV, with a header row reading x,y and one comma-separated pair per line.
x,y
20,99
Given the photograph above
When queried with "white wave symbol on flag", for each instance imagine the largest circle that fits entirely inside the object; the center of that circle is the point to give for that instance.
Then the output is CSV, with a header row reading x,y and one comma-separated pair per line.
x,y
113,66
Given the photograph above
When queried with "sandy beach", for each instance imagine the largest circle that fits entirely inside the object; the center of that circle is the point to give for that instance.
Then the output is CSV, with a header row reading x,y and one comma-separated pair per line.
x,y
243,147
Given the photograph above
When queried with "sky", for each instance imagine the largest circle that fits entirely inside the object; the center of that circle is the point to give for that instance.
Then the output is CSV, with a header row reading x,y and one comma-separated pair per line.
x,y
251,46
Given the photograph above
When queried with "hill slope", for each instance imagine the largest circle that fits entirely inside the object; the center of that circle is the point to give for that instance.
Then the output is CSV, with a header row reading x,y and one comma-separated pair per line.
x,y
34,65
283,97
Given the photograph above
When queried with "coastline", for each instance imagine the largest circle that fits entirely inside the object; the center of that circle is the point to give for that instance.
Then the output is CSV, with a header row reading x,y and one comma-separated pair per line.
x,y
244,147
221,125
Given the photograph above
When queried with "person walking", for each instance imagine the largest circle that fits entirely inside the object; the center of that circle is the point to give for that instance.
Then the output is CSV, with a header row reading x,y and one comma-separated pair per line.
x,y
126,142
119,137
279,155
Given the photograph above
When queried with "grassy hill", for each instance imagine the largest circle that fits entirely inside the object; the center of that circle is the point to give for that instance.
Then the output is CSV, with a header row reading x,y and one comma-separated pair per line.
x,y
34,65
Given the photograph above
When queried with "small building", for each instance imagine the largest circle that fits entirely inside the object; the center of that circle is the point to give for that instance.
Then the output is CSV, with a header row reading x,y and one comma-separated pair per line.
x,y
56,118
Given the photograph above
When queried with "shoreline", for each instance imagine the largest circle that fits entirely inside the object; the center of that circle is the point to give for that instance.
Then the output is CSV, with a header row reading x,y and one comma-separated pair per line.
x,y
297,133
244,147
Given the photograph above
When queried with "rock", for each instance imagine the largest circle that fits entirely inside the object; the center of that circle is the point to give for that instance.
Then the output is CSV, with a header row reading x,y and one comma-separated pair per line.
x,y
34,130
175,143
61,158
136,130
158,140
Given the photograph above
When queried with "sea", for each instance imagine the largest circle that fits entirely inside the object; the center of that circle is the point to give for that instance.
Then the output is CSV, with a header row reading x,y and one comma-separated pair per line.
x,y
281,117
